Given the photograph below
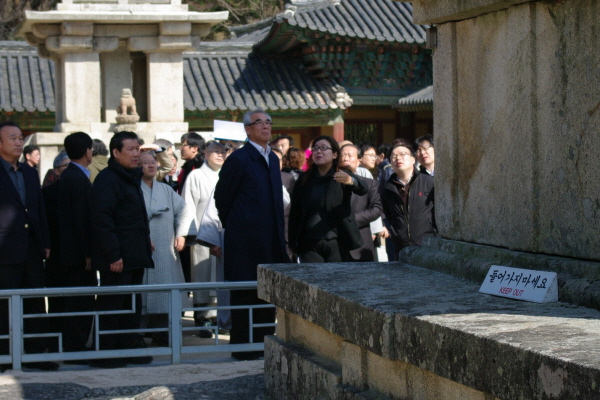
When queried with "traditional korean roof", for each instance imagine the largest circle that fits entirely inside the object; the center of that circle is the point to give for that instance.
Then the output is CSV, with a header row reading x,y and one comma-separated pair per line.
x,y
242,81
26,80
221,79
373,20
421,100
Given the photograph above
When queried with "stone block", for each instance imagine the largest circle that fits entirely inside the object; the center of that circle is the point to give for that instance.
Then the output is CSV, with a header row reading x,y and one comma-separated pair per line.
x,y
70,44
45,30
354,365
441,11
165,75
175,42
176,28
200,29
452,339
77,28
125,31
292,372
312,337
143,43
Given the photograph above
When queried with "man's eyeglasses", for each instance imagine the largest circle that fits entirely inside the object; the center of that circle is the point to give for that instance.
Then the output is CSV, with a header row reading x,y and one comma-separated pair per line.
x,y
370,155
267,122
422,150
399,156
321,149
63,166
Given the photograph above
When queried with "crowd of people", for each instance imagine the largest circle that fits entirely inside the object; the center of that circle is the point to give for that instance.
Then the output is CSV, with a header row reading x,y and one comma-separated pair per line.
x,y
128,215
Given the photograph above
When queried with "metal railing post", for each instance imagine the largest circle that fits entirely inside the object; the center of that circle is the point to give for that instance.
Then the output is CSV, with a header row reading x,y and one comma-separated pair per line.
x,y
16,329
175,326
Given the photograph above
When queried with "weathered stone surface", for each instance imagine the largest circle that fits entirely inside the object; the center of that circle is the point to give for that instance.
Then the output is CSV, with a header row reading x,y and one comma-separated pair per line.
x,y
502,347
517,165
291,372
578,279
440,11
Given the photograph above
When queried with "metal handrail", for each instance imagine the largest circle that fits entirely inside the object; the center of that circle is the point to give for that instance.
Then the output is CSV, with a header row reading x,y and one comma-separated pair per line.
x,y
175,329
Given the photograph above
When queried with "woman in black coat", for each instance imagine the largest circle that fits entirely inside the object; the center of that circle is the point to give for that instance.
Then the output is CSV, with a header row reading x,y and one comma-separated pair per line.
x,y
322,227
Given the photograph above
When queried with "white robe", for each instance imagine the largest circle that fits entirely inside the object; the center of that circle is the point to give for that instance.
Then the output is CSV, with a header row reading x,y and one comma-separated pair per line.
x,y
169,217
197,191
211,233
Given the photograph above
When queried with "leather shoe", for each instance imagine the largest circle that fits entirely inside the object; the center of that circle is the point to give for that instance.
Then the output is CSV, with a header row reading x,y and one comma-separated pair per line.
x,y
42,365
247,355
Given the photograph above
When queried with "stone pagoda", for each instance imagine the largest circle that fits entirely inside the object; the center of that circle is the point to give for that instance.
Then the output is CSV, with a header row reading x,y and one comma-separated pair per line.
x,y
101,47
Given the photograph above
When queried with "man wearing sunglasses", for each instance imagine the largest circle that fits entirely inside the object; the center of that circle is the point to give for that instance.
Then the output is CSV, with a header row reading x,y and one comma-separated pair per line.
x,y
249,198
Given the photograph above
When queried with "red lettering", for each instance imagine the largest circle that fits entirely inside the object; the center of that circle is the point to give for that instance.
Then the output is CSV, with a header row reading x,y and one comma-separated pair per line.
x,y
505,290
517,292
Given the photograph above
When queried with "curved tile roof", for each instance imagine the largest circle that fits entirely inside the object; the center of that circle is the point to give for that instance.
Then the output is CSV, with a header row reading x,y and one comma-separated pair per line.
x,y
242,82
378,20
26,80
220,80
422,99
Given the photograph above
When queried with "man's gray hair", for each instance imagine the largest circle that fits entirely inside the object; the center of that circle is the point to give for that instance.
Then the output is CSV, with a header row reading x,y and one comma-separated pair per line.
x,y
164,143
60,159
248,116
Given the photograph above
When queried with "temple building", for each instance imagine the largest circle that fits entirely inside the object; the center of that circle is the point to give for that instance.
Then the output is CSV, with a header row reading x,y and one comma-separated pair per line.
x,y
347,68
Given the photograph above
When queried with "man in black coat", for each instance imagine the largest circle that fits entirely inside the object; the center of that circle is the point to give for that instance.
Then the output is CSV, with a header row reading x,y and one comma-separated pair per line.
x,y
24,239
408,199
249,197
366,209
121,247
75,237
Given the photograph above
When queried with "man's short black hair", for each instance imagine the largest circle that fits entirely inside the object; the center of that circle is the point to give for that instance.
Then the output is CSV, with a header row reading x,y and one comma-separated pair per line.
x,y
288,137
193,140
384,148
426,138
8,123
77,144
30,148
99,148
116,142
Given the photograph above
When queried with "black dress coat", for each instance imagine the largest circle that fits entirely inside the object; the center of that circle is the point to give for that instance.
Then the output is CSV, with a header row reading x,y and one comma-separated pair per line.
x,y
120,227
337,210
366,209
408,226
19,222
249,198
75,216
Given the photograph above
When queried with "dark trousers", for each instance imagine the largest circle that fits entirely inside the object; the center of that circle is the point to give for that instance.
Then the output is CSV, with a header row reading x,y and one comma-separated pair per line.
x,y
120,302
240,332
26,275
55,277
322,251
77,329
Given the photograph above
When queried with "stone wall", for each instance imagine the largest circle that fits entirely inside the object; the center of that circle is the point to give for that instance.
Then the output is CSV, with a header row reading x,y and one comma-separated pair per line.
x,y
517,114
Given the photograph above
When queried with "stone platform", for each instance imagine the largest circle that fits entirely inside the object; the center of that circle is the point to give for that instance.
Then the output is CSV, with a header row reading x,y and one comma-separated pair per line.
x,y
388,330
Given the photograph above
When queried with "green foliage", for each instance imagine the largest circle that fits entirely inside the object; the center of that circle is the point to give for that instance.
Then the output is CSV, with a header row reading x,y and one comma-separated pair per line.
x,y
241,12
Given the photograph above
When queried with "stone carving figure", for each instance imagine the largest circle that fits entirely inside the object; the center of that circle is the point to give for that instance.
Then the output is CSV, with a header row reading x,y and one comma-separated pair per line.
x,y
126,111
127,104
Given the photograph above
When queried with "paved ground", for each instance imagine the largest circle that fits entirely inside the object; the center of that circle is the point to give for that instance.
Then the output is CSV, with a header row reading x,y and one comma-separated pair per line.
x,y
205,377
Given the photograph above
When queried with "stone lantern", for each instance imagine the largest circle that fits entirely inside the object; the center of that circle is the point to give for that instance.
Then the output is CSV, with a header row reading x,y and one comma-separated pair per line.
x,y
100,47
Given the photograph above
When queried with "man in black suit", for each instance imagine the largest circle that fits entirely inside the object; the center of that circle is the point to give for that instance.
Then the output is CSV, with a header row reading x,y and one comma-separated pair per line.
x,y
24,239
75,188
249,198
366,209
